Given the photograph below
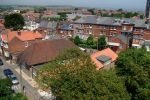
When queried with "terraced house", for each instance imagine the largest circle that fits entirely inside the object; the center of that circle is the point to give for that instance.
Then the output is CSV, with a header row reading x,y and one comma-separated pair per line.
x,y
120,33
14,42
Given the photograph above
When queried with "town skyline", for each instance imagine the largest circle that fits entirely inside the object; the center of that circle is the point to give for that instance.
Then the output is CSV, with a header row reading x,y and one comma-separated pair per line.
x,y
112,4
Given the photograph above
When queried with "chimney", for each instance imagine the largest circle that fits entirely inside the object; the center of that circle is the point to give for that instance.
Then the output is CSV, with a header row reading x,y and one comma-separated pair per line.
x,y
19,32
34,31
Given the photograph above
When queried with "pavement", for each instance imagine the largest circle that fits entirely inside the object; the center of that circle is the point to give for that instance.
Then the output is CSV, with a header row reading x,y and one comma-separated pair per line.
x,y
31,87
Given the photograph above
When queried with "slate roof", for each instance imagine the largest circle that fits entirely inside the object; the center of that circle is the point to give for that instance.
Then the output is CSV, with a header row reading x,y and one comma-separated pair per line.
x,y
47,24
87,19
110,21
66,26
139,23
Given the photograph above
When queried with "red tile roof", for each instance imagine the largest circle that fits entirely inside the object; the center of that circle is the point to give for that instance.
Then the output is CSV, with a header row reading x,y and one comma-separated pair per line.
x,y
106,52
24,35
115,40
44,51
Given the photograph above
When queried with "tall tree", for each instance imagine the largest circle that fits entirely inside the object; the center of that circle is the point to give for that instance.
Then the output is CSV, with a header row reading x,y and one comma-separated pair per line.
x,y
7,94
134,65
72,76
92,11
101,42
14,21
77,40
90,40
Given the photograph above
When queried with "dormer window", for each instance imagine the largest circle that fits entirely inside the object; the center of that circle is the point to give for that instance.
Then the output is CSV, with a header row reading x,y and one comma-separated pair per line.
x,y
26,44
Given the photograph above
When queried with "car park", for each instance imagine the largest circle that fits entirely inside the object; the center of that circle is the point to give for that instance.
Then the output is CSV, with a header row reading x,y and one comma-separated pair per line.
x,y
14,79
7,72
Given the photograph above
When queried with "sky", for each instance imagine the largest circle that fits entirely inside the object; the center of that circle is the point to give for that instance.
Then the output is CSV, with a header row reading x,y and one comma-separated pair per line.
x,y
108,4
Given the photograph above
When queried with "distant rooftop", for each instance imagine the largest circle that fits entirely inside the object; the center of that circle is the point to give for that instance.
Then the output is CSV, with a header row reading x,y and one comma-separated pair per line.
x,y
93,19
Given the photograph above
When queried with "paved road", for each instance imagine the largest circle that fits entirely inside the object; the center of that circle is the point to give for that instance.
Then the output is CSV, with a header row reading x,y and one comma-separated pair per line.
x,y
30,91
1,72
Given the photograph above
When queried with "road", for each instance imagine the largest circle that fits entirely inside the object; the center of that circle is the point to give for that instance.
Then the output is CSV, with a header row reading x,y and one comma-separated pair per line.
x,y
30,91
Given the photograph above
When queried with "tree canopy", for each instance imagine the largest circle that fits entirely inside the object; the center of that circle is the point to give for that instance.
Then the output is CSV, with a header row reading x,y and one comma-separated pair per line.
x,y
122,14
102,42
7,94
63,16
14,21
90,40
134,65
72,76
77,40
92,11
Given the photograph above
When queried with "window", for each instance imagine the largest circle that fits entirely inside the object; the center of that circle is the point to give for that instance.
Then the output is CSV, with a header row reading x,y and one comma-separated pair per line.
x,y
104,27
90,26
90,31
124,28
26,44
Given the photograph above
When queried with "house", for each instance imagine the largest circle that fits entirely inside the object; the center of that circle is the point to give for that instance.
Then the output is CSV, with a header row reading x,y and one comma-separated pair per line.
x,y
47,27
31,25
30,15
104,59
65,29
120,33
146,40
42,52
14,42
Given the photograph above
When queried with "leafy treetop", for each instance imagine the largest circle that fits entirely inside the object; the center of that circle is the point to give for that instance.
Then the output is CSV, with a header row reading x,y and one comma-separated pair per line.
x,y
72,76
14,21
134,65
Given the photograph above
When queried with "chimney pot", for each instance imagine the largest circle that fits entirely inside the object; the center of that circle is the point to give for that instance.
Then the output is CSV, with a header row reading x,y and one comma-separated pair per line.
x,y
19,32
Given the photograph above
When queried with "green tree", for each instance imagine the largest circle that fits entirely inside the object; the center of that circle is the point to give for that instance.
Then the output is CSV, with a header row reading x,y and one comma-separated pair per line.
x,y
77,40
19,96
92,11
63,16
14,21
120,10
141,16
102,42
39,10
90,40
76,8
134,65
7,94
72,76
5,89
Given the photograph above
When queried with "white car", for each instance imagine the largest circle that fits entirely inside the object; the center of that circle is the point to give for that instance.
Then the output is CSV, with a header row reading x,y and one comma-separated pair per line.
x,y
14,79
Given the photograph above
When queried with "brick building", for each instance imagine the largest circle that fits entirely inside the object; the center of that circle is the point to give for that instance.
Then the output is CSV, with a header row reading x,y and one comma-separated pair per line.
x,y
120,33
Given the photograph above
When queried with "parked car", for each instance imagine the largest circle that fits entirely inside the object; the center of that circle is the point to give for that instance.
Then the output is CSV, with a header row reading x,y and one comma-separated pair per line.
x,y
14,79
7,72
1,62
